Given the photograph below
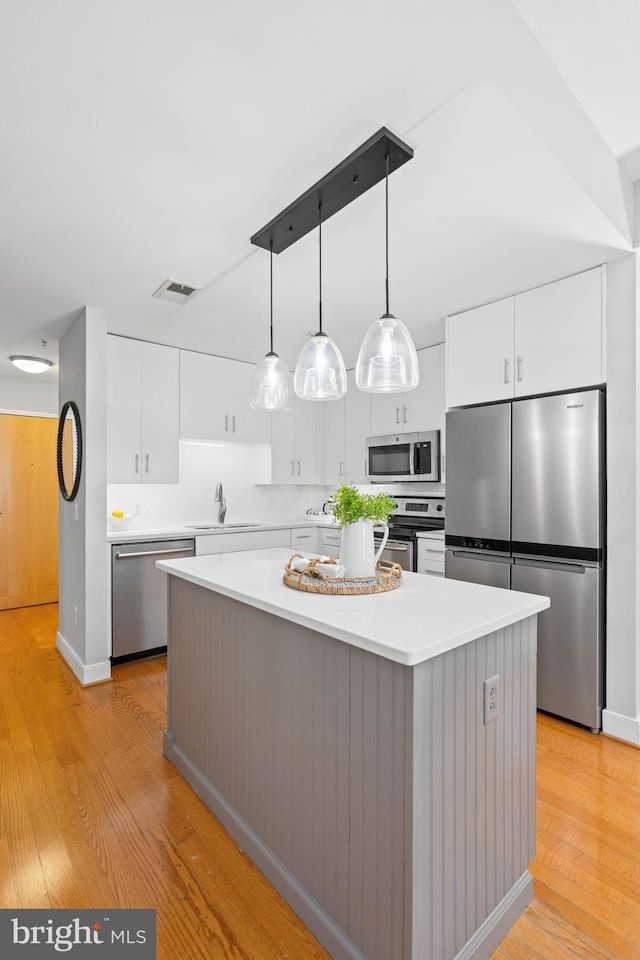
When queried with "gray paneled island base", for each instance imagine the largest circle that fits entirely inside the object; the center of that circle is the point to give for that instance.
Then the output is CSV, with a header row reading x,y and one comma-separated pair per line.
x,y
365,785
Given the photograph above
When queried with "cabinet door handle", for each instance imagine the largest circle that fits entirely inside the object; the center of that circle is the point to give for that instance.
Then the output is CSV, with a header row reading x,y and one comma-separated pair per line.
x,y
397,414
292,464
146,463
302,536
226,423
404,420
137,463
520,369
233,423
506,370
341,468
298,468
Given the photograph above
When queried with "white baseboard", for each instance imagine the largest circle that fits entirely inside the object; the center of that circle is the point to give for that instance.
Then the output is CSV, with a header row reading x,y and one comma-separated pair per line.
x,y
623,728
86,674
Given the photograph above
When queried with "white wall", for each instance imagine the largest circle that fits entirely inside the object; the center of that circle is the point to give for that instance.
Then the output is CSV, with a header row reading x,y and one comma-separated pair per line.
x,y
83,637
29,395
622,715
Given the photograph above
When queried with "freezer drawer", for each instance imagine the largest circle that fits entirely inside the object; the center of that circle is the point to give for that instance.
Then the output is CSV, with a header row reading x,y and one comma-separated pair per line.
x,y
570,637
490,569
139,596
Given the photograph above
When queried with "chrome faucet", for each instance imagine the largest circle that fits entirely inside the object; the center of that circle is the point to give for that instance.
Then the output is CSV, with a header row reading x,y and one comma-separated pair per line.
x,y
219,498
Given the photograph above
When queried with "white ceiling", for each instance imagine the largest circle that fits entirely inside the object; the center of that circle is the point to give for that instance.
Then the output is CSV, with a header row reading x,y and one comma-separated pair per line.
x,y
146,140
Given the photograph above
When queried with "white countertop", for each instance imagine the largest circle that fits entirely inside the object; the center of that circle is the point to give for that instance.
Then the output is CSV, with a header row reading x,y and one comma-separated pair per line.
x,y
180,531
423,618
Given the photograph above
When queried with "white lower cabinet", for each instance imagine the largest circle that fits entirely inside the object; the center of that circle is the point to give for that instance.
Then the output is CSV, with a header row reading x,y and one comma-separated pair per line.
x,y
330,541
431,555
305,539
242,540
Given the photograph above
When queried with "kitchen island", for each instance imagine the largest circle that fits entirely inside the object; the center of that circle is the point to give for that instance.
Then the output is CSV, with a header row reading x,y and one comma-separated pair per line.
x,y
342,741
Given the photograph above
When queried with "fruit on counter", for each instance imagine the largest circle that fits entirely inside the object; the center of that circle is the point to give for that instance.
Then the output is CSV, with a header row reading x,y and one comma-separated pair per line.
x,y
117,513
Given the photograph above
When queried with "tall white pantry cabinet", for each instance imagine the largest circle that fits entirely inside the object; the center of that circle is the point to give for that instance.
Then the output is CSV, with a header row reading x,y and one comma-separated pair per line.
x,y
143,402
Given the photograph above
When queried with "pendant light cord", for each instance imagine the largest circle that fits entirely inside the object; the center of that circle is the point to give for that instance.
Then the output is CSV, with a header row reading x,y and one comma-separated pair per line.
x,y
271,289
386,218
320,264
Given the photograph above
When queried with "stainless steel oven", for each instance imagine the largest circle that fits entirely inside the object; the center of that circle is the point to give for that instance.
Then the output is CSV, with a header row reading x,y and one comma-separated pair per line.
x,y
413,514
404,456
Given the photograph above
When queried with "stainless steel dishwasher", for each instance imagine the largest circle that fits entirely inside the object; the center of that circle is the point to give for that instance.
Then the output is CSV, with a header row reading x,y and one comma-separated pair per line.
x,y
139,597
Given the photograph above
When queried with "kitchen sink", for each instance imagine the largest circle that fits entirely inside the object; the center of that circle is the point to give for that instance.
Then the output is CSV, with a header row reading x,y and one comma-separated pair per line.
x,y
219,526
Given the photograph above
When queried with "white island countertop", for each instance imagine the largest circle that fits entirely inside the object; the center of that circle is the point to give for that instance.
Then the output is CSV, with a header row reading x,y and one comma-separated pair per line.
x,y
421,619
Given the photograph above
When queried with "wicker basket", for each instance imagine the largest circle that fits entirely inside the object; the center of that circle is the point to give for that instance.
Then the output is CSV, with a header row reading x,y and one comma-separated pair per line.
x,y
388,576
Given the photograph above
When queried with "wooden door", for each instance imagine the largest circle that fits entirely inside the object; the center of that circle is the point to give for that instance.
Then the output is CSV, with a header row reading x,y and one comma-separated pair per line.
x,y
28,511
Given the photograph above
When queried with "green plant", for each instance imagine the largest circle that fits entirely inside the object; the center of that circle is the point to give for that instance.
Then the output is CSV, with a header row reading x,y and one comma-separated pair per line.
x,y
350,505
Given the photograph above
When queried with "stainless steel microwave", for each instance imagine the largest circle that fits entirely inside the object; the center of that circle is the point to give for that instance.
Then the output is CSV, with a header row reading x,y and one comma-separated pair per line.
x,y
404,456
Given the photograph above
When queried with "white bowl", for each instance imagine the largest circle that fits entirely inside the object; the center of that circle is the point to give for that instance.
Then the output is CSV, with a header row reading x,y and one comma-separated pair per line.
x,y
119,523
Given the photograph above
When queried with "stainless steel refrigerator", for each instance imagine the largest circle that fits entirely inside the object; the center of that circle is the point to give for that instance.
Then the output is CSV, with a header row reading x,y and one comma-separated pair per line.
x,y
526,511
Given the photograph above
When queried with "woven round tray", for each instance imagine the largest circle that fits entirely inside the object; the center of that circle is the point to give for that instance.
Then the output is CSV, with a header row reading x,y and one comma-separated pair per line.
x,y
388,576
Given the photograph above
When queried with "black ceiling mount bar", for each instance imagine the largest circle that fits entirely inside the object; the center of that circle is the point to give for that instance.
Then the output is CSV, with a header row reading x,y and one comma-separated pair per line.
x,y
360,171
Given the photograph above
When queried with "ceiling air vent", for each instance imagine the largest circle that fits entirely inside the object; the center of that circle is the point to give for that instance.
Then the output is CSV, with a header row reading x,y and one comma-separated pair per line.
x,y
176,292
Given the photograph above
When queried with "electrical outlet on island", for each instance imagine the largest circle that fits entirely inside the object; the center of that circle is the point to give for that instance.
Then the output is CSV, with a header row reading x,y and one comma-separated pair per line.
x,y
491,698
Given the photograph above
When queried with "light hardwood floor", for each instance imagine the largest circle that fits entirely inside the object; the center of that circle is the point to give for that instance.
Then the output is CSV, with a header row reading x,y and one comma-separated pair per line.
x,y
91,815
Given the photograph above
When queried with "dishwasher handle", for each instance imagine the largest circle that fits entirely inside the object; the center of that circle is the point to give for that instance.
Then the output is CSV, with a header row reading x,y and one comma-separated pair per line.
x,y
153,553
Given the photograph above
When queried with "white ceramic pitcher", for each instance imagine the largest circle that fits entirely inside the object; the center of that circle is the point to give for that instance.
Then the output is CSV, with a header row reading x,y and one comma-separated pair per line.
x,y
357,553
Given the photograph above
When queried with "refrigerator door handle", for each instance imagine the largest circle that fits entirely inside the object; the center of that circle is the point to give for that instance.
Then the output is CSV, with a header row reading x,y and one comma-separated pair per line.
x,y
480,555
553,565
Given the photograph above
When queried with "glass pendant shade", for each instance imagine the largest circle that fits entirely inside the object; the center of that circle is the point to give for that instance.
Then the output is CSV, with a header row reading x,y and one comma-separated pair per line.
x,y
271,387
387,361
320,371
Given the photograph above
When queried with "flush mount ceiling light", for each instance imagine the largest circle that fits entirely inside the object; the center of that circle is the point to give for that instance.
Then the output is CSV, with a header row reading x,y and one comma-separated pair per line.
x,y
387,362
320,372
31,364
271,381
369,164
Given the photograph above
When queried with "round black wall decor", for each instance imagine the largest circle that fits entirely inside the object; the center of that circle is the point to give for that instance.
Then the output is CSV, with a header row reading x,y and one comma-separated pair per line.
x,y
69,450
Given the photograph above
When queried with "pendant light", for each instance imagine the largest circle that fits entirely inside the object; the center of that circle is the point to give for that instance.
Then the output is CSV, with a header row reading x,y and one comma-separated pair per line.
x,y
271,381
387,361
320,372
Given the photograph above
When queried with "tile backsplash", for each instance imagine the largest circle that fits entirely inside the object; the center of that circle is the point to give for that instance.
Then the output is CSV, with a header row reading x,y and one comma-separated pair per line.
x,y
244,471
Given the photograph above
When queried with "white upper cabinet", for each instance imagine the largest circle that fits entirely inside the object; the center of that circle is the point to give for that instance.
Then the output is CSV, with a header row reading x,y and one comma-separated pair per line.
x,y
358,428
142,412
558,339
415,411
214,400
334,454
480,354
540,341
294,444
